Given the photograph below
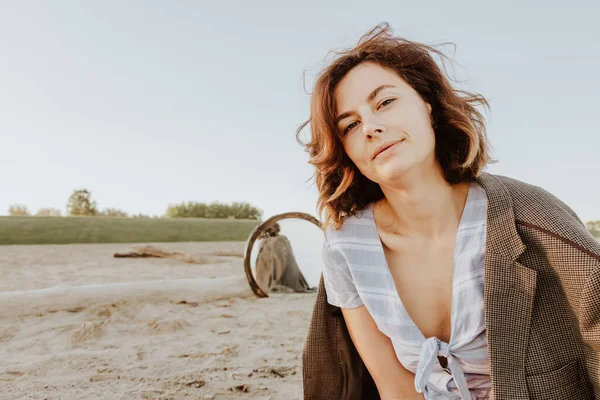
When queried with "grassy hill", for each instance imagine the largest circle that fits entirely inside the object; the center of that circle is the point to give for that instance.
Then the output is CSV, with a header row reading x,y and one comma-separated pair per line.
x,y
64,230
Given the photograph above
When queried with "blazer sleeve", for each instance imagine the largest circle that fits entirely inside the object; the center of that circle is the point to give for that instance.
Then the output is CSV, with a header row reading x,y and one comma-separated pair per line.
x,y
339,284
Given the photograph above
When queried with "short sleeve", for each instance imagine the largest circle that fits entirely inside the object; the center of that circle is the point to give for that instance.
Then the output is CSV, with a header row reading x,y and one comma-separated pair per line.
x,y
339,285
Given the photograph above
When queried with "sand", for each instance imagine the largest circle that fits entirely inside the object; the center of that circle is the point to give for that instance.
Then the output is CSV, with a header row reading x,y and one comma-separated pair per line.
x,y
76,323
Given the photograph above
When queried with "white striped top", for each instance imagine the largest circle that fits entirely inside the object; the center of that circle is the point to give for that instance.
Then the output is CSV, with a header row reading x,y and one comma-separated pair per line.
x,y
356,273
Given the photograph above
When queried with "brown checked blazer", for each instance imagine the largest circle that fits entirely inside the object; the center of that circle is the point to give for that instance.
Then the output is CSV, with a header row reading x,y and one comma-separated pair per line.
x,y
542,307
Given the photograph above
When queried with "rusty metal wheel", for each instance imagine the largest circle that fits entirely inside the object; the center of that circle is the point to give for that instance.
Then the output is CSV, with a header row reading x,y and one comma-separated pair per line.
x,y
257,232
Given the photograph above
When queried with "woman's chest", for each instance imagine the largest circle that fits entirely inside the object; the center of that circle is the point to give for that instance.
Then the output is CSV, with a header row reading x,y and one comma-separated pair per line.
x,y
423,279
414,295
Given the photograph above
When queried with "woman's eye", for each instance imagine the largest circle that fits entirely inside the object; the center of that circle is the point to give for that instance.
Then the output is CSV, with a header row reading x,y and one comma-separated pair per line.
x,y
386,102
350,127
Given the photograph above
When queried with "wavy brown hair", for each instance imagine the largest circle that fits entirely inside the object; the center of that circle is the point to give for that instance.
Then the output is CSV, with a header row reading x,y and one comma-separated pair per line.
x,y
461,146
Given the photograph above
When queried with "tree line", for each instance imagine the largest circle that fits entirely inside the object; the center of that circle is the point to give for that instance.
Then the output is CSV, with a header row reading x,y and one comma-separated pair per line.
x,y
80,203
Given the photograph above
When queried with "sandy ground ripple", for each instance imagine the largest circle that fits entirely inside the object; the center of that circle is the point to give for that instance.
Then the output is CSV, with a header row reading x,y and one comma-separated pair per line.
x,y
188,339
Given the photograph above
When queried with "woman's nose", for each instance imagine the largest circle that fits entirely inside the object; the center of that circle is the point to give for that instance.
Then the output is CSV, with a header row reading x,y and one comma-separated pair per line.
x,y
372,129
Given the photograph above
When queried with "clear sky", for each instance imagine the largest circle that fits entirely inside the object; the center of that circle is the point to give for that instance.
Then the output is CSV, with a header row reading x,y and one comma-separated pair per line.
x,y
148,103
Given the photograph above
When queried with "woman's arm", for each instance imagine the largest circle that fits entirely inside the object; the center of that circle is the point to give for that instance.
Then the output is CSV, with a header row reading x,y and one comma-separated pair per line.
x,y
393,381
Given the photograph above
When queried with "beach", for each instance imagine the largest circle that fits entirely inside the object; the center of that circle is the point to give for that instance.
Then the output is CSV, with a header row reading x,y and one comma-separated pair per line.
x,y
76,323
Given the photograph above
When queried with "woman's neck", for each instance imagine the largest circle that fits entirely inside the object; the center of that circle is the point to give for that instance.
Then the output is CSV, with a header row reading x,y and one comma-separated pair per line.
x,y
425,206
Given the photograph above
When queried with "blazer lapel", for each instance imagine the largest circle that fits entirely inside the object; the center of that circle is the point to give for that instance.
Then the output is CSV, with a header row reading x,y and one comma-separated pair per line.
x,y
509,291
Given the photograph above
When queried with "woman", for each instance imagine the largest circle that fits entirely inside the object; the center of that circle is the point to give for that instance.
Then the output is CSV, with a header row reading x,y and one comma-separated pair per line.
x,y
452,283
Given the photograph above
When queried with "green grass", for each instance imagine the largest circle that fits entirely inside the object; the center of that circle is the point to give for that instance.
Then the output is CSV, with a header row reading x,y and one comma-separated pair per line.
x,y
65,230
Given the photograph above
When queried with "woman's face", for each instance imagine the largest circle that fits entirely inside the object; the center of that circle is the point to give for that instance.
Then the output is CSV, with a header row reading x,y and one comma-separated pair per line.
x,y
384,124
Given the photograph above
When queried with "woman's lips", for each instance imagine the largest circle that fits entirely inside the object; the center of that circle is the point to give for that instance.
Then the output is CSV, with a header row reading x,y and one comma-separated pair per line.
x,y
385,150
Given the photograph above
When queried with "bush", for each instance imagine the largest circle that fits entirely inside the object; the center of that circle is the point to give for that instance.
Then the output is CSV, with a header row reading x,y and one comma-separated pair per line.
x,y
48,212
218,210
594,228
18,210
113,212
140,215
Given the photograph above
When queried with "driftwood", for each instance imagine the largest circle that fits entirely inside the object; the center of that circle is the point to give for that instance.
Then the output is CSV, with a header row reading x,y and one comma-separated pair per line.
x,y
153,252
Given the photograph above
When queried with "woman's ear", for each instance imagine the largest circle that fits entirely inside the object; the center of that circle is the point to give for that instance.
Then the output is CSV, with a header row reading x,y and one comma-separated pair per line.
x,y
429,108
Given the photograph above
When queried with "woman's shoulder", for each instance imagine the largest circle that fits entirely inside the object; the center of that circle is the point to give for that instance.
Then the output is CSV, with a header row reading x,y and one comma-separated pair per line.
x,y
355,228
534,202
536,208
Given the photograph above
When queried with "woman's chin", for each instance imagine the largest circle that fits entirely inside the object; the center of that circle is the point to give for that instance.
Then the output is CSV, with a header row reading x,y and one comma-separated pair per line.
x,y
392,171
